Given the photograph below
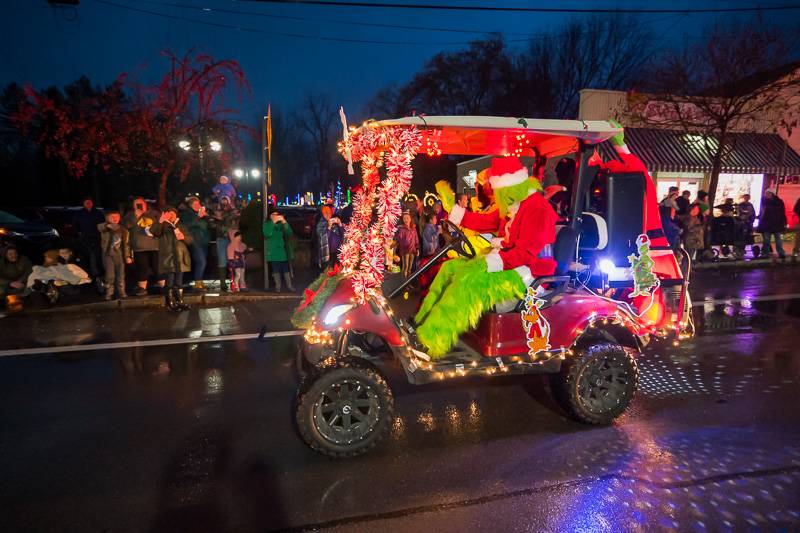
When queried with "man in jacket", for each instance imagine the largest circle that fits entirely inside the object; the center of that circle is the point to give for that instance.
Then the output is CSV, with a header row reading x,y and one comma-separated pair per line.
x,y
772,223
194,220
173,256
85,223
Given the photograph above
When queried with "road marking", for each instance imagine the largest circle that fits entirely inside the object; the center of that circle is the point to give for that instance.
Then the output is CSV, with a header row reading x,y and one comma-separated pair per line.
x,y
768,298
144,344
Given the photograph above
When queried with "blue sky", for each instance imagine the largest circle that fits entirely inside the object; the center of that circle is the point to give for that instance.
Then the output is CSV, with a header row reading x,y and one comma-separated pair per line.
x,y
46,46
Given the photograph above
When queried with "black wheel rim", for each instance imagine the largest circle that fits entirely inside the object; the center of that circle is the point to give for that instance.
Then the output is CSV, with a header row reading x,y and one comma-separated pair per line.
x,y
347,412
603,384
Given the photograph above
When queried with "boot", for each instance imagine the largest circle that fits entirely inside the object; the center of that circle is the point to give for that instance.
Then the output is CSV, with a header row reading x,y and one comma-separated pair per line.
x,y
109,292
199,285
121,291
169,299
277,279
288,277
141,289
177,294
223,277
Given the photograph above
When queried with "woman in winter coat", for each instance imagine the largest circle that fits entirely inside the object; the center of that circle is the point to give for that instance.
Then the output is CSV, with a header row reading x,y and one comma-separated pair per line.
x,y
695,230
277,232
173,256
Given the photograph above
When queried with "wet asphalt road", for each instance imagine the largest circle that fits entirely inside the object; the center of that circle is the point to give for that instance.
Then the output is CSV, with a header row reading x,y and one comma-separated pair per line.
x,y
199,437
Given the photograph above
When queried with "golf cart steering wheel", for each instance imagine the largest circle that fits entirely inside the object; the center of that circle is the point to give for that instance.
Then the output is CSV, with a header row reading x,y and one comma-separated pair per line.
x,y
465,249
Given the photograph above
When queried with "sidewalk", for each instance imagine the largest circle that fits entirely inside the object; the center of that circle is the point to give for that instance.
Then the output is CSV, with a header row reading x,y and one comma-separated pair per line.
x,y
750,262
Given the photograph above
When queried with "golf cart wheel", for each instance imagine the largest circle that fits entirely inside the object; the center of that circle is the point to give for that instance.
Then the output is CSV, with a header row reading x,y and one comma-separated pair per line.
x,y
345,411
597,384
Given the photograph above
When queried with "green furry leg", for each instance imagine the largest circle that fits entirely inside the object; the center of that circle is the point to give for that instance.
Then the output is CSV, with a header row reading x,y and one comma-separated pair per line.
x,y
446,273
464,301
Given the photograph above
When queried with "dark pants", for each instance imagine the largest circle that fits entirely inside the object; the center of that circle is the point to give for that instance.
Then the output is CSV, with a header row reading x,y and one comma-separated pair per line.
x,y
173,280
114,266
199,260
767,237
146,263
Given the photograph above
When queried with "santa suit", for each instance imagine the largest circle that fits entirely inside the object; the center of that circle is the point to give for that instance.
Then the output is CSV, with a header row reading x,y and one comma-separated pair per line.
x,y
522,236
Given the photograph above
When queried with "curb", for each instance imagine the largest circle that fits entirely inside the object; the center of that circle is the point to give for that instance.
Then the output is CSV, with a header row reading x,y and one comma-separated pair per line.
x,y
753,263
152,301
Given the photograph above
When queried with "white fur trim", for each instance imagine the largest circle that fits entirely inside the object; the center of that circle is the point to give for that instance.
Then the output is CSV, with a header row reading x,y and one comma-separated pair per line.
x,y
456,214
525,273
508,180
494,263
497,242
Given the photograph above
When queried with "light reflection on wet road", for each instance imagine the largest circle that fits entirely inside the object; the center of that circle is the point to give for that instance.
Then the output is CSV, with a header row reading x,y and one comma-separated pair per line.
x,y
199,437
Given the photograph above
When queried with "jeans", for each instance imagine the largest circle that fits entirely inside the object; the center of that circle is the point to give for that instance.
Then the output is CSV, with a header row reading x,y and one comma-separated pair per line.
x,y
173,279
199,259
222,252
115,272
767,237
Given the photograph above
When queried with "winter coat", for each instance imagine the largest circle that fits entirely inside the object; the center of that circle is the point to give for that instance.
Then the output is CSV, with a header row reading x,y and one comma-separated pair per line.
x,y
430,239
17,271
407,240
198,227
223,220
773,216
107,236
695,232
224,189
86,222
671,229
277,236
236,245
141,240
747,213
173,254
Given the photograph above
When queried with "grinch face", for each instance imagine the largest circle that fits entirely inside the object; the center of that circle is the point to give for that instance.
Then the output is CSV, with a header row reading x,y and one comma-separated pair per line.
x,y
507,197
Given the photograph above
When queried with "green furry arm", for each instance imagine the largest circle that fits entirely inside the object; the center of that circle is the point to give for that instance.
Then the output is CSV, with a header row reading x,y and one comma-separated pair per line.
x,y
446,195
619,138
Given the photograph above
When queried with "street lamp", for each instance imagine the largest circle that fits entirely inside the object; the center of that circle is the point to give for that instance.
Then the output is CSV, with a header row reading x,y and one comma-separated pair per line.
x,y
238,172
185,145
255,173
215,146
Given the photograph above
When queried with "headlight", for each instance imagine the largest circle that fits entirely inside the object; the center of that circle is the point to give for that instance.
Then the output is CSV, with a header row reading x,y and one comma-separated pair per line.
x,y
9,233
607,266
335,313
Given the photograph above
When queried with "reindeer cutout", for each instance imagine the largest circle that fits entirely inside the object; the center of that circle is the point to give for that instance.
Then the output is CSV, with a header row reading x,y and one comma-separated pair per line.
x,y
537,328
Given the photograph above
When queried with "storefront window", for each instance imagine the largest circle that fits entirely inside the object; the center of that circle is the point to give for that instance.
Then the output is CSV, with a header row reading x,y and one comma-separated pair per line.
x,y
684,181
736,185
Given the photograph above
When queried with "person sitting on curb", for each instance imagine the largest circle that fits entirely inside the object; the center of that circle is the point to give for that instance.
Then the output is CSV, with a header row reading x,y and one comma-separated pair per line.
x,y
14,272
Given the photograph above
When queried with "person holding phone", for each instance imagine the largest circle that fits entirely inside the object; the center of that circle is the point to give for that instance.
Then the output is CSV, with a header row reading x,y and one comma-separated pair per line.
x,y
173,256
277,233
142,242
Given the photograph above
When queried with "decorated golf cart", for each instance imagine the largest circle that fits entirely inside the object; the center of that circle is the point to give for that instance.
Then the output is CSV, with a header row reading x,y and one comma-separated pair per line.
x,y
589,294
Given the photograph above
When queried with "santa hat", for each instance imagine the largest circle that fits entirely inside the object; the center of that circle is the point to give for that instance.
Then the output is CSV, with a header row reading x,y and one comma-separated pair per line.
x,y
506,172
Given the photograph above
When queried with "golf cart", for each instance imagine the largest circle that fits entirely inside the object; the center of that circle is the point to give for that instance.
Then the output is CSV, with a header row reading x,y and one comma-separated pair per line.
x,y
617,285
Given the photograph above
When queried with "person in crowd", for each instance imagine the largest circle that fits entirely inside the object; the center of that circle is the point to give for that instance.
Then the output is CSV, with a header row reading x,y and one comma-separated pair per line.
x,y
702,201
14,271
224,189
683,202
236,261
85,223
772,222
462,199
116,253
796,247
330,233
193,218
173,256
671,229
439,212
277,233
144,245
726,208
670,200
430,235
58,275
694,232
746,212
407,244
225,218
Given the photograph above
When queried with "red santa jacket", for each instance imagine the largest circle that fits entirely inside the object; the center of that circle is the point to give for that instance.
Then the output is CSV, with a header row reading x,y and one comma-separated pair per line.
x,y
480,222
532,227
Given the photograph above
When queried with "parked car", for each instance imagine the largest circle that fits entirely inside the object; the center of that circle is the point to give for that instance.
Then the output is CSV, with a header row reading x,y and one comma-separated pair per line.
x,y
32,237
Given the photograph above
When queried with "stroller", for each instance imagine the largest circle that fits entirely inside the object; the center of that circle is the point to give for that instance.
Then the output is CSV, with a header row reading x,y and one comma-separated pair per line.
x,y
729,237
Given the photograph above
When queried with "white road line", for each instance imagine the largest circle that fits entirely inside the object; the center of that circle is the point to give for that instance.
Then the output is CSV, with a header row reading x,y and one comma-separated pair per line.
x,y
144,344
768,298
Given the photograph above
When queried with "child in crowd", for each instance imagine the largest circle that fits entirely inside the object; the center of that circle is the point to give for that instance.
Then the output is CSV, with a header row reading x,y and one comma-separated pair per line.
x,y
407,244
693,225
116,253
430,235
224,189
236,262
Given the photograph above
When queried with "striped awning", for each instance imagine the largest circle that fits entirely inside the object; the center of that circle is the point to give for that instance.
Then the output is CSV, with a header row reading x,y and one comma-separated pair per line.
x,y
674,151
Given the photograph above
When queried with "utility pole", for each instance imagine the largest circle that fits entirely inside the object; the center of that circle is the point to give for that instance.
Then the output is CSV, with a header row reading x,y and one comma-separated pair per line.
x,y
266,172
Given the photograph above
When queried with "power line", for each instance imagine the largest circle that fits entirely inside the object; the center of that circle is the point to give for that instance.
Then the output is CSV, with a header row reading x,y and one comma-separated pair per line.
x,y
207,9
514,9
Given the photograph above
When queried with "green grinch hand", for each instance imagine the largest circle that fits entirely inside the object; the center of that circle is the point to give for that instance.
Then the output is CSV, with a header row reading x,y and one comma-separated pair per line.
x,y
446,195
619,138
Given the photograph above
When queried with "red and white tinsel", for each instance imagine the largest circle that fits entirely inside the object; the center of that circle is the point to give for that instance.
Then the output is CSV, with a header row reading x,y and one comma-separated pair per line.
x,y
363,253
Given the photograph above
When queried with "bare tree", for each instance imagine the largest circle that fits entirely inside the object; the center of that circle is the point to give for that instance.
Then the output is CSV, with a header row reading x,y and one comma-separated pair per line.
x,y
317,119
738,78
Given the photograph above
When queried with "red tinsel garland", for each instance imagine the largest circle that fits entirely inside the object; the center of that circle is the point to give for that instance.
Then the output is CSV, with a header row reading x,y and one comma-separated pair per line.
x,y
363,252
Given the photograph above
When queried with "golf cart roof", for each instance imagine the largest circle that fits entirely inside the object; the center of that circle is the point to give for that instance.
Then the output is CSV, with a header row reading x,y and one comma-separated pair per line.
x,y
478,135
